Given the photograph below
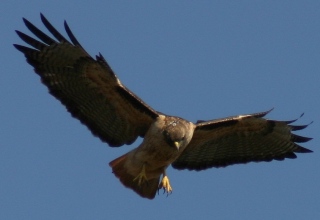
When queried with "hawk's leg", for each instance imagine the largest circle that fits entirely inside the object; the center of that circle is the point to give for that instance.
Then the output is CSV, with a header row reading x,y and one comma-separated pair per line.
x,y
141,176
165,184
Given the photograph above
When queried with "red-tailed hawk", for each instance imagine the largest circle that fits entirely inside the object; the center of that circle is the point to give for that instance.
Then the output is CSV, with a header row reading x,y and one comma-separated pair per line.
x,y
91,92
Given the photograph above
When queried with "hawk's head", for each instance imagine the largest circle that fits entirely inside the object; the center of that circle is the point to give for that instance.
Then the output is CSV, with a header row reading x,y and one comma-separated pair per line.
x,y
177,132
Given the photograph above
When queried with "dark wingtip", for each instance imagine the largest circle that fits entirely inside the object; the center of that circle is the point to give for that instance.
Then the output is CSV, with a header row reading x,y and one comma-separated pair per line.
x,y
25,21
299,127
302,150
19,47
294,120
299,139
71,35
262,114
267,112
19,33
42,16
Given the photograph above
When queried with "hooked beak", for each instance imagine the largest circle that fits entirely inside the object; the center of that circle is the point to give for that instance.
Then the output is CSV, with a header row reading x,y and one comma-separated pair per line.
x,y
177,144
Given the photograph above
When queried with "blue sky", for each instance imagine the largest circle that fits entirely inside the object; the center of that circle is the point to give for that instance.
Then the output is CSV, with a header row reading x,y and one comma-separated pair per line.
x,y
194,59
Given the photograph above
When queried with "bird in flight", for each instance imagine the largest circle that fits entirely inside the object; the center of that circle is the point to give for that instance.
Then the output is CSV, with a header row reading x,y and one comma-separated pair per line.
x,y
92,93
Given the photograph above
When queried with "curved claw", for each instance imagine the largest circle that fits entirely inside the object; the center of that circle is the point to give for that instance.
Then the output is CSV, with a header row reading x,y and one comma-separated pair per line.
x,y
141,176
165,185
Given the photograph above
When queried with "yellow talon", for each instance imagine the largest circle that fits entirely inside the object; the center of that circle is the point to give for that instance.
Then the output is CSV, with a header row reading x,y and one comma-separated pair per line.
x,y
165,184
141,176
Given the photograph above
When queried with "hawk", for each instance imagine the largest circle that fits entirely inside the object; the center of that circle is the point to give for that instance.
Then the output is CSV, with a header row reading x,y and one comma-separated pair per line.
x,y
91,92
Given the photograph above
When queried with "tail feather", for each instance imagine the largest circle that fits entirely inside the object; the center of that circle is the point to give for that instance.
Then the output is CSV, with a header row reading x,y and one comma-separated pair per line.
x,y
147,189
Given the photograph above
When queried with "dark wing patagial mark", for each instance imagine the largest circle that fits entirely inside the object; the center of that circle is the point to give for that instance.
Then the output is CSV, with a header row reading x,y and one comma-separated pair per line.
x,y
88,88
228,120
240,139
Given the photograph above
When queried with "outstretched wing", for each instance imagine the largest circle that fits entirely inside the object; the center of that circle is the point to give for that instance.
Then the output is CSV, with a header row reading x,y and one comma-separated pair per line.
x,y
240,139
87,87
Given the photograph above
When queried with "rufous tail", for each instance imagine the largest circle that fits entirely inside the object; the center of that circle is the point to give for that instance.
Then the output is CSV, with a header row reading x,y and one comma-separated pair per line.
x,y
146,189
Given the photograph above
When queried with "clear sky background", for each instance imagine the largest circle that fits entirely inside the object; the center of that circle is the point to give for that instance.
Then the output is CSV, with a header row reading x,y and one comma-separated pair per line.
x,y
194,59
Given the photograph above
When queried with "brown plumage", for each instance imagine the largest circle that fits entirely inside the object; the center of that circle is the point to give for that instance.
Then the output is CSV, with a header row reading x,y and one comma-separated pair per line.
x,y
92,93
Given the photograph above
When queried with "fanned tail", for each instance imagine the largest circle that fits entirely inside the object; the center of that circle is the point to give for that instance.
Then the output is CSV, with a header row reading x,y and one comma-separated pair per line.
x,y
146,189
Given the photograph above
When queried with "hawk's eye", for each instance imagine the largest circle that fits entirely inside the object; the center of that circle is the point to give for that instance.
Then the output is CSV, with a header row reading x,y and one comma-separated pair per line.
x,y
173,123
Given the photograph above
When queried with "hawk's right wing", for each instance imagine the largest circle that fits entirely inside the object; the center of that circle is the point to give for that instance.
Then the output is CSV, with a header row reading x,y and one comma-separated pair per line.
x,y
87,87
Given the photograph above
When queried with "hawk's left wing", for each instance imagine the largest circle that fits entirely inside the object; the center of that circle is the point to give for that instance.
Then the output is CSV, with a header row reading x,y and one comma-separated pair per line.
x,y
240,139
